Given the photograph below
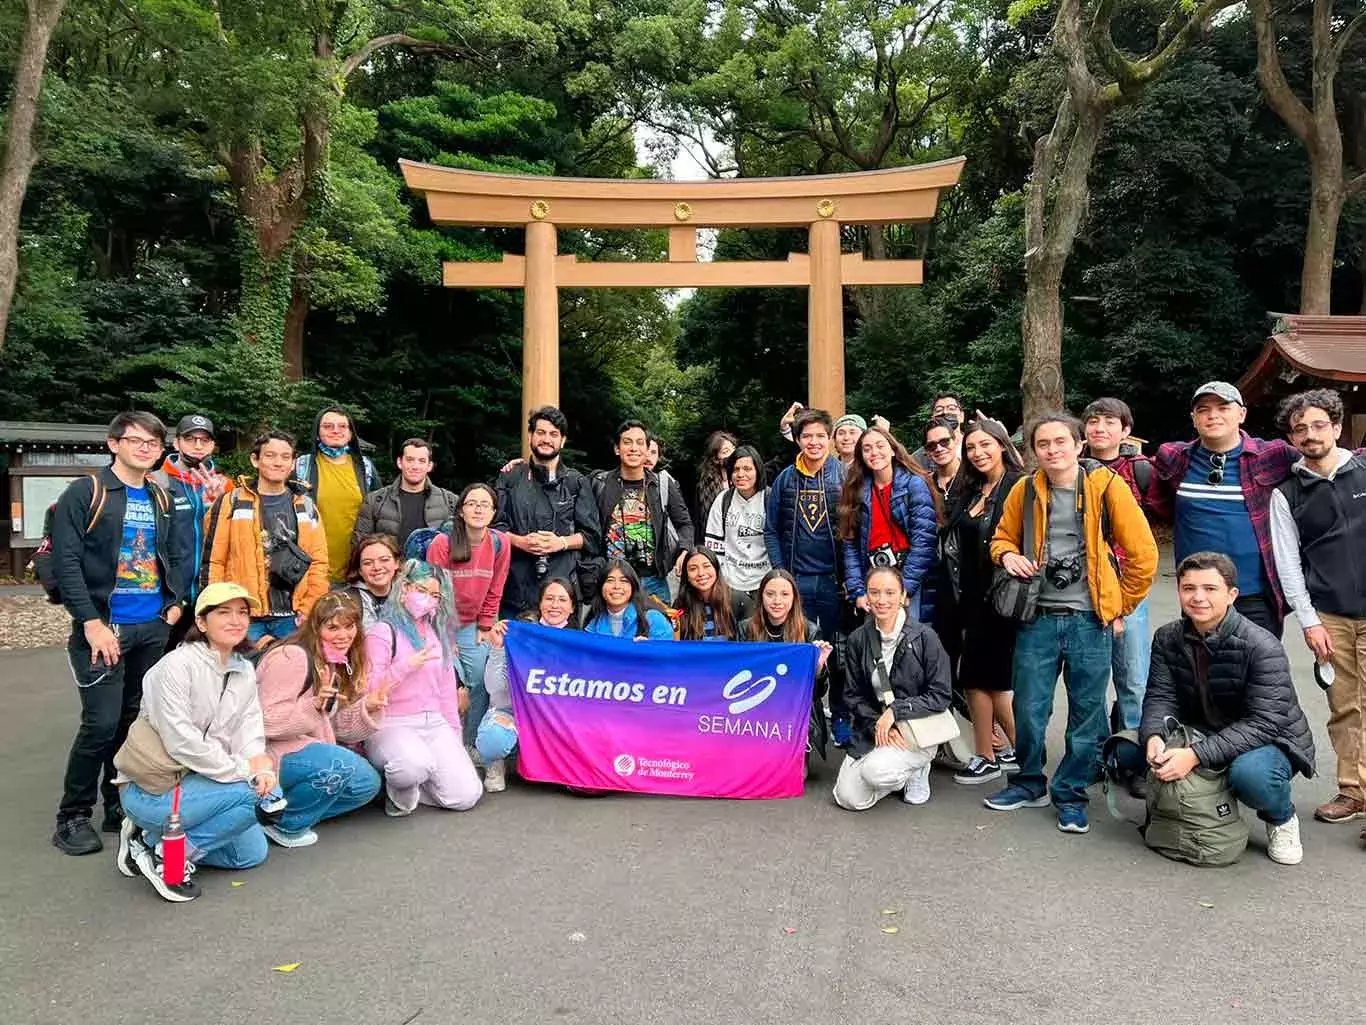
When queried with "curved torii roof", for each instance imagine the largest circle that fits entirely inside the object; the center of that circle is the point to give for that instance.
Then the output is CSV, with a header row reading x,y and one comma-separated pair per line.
x,y
1330,348
476,198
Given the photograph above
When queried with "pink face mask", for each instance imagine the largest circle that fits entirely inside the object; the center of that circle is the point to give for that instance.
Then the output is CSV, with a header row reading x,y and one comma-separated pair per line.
x,y
337,654
419,604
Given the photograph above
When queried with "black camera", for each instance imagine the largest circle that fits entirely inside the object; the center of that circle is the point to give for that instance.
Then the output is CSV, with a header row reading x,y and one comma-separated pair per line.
x,y
1063,573
883,556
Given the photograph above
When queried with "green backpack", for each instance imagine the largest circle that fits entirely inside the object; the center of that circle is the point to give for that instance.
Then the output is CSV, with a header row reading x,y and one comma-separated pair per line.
x,y
1196,819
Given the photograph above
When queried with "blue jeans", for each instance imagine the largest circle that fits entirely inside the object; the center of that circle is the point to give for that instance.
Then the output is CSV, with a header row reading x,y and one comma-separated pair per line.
x,y
1260,778
473,658
1129,666
278,627
219,820
1043,647
657,586
821,600
322,781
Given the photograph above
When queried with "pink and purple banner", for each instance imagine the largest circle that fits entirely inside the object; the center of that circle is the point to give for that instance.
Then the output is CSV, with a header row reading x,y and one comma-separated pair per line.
x,y
690,718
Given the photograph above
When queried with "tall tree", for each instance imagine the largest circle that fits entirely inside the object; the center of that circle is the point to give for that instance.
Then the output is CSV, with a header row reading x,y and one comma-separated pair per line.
x,y
1098,77
1317,126
20,153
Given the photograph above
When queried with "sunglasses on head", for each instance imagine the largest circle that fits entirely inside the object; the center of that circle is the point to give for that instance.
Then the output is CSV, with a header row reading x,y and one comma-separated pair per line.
x,y
1217,460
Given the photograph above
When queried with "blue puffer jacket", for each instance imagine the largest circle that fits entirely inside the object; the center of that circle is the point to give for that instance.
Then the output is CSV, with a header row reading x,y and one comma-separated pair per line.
x,y
913,510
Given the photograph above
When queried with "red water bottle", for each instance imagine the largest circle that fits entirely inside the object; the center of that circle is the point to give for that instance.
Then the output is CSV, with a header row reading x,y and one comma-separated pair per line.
x,y
173,846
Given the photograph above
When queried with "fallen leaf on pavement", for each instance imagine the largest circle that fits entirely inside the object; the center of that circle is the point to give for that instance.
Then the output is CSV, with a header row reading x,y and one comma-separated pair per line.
x,y
788,931
287,967
890,930
891,911
1206,904
236,884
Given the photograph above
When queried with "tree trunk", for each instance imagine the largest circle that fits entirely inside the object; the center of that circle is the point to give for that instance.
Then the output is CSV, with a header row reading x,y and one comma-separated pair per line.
x,y
1050,231
1321,238
295,319
20,155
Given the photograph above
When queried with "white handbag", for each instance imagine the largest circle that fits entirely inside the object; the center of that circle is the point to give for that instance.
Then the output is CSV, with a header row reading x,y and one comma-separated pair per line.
x,y
928,731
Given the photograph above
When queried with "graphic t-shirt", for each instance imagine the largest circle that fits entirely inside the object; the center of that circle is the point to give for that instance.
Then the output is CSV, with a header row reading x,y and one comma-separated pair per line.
x,y
1214,517
339,498
137,586
280,522
631,535
814,545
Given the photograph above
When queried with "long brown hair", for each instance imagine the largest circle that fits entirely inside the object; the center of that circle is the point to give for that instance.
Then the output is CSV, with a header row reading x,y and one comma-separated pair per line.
x,y
851,498
460,538
337,605
694,608
794,629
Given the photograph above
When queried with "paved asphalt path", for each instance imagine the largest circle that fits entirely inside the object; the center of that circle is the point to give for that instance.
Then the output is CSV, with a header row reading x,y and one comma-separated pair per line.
x,y
540,907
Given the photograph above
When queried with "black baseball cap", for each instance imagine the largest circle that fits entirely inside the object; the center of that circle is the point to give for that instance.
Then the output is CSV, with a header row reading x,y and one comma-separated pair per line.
x,y
192,423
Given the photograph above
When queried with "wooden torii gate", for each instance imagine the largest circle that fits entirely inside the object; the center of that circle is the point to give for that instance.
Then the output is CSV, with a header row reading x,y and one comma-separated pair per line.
x,y
820,203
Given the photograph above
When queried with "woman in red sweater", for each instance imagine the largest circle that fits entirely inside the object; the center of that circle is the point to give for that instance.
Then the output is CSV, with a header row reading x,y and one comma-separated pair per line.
x,y
477,559
312,690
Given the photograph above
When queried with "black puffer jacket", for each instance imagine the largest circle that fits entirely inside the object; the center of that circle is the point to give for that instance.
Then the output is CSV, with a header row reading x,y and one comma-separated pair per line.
x,y
919,677
1243,700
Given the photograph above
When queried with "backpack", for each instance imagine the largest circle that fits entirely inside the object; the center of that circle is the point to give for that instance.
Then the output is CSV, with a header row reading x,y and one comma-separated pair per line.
x,y
43,563
1196,819
420,541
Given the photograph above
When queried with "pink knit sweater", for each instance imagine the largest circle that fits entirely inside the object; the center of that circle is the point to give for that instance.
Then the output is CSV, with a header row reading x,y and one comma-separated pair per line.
x,y
293,720
479,582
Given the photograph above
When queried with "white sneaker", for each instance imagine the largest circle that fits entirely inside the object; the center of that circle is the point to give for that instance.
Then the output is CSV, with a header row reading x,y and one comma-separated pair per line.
x,y
473,752
918,786
303,838
1283,842
495,777
128,836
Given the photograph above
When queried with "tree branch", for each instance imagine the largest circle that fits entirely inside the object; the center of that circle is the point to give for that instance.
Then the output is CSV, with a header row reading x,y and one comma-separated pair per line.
x,y
1357,187
357,59
1340,47
1270,73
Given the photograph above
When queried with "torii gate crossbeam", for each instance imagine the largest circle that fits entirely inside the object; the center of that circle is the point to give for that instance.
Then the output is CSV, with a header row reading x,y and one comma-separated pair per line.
x,y
820,203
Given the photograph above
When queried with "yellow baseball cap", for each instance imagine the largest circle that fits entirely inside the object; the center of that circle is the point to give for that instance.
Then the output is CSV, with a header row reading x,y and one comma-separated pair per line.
x,y
223,591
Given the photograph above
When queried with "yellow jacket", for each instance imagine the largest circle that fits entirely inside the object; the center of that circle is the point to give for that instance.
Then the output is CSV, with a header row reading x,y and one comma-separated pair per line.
x,y
235,550
1113,593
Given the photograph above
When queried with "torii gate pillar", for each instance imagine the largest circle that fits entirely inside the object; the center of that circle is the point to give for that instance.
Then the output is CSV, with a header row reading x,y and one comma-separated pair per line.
x,y
540,322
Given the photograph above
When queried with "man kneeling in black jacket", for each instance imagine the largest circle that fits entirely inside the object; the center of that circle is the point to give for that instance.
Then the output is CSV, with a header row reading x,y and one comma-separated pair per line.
x,y
1217,671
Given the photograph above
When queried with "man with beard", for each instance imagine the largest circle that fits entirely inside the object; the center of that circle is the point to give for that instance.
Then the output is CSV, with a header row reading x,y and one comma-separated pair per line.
x,y
550,516
1318,535
189,476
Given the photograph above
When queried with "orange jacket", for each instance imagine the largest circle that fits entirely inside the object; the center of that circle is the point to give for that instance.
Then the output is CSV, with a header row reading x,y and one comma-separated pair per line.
x,y
236,549
1113,593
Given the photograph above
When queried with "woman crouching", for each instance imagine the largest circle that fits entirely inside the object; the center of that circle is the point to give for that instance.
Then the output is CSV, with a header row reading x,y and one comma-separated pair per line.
x,y
412,654
496,739
200,731
896,671
313,694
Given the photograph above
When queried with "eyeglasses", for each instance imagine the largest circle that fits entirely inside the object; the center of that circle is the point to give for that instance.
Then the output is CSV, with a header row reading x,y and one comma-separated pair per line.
x,y
933,446
145,444
1217,460
478,505
334,425
1303,430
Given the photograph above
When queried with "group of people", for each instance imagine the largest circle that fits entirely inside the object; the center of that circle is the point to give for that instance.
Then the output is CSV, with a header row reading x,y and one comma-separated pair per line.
x,y
266,653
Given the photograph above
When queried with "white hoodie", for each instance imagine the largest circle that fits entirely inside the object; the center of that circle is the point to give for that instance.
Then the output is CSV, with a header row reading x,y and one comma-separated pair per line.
x,y
739,542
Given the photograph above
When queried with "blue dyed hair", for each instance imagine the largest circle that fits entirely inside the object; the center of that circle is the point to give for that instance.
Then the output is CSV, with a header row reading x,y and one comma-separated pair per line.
x,y
447,621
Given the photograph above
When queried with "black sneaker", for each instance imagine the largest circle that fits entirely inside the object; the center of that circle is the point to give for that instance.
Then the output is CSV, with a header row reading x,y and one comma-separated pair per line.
x,y
1138,786
149,864
113,818
979,770
1008,760
74,835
